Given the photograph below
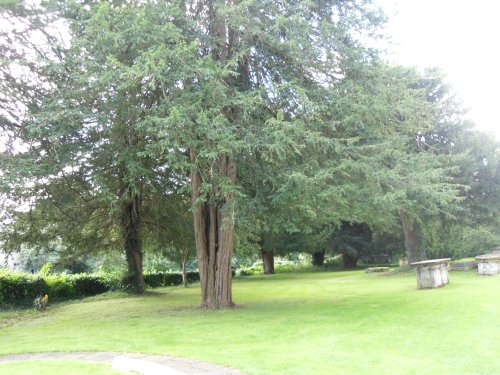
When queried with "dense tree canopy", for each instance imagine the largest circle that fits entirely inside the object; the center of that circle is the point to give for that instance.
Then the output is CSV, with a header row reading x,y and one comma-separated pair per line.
x,y
266,117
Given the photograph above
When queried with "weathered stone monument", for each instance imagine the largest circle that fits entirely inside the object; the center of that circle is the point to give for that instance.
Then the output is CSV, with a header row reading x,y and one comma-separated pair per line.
x,y
463,265
432,273
377,269
488,264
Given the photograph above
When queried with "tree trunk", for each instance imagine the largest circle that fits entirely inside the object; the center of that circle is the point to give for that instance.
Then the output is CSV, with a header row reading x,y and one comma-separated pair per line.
x,y
349,261
413,238
268,262
131,226
213,211
214,234
184,272
318,258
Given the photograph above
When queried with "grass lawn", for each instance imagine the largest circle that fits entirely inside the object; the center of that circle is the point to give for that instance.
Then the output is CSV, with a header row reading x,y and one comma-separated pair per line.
x,y
298,323
49,367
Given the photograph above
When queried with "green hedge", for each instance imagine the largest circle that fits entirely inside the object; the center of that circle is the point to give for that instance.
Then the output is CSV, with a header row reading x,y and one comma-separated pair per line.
x,y
249,271
23,288
90,285
158,279
18,286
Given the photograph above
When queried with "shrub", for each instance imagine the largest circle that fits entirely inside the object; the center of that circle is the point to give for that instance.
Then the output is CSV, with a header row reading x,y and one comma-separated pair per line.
x,y
60,286
90,285
155,280
21,287
256,269
46,269
279,267
112,280
158,279
194,277
17,287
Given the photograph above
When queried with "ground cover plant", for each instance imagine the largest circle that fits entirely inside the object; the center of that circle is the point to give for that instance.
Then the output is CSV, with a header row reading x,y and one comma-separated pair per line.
x,y
291,323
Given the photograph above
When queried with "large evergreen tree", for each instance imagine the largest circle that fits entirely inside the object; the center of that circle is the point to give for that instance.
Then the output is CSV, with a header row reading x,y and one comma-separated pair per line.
x,y
85,167
274,102
272,66
200,85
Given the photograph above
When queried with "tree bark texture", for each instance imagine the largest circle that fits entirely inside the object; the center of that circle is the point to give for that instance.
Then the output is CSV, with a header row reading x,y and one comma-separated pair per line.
x,y
213,209
184,272
214,234
131,226
268,262
413,238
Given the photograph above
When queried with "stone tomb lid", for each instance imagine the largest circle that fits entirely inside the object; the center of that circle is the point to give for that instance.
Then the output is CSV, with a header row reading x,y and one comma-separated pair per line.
x,y
431,262
488,257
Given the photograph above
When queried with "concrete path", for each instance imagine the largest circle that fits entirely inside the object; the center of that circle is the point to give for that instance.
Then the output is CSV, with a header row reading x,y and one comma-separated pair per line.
x,y
142,363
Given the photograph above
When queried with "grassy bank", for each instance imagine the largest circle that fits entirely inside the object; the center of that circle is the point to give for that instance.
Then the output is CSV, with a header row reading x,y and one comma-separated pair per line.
x,y
301,323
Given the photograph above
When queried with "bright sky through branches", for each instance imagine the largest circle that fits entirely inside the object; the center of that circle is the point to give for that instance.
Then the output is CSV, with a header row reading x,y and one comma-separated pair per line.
x,y
460,37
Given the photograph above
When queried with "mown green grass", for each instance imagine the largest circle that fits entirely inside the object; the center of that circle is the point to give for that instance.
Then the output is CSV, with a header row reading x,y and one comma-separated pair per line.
x,y
51,367
299,323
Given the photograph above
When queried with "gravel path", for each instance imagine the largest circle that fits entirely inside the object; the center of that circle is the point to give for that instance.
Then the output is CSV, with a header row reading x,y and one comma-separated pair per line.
x,y
142,363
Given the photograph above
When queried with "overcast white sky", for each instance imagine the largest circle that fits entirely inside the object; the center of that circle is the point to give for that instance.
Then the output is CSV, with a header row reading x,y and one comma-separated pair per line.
x,y
460,36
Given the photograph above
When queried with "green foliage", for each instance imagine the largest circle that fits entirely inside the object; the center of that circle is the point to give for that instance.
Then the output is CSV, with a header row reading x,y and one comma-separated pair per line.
x,y
22,288
390,243
286,267
323,132
452,240
256,269
59,286
88,163
158,279
352,240
84,285
46,269
8,2
120,112
470,227
280,266
16,287
63,260
154,263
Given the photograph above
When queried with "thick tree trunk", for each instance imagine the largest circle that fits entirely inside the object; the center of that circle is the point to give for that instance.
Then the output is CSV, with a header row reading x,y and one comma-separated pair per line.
x,y
131,226
349,261
318,258
413,238
268,262
213,211
184,272
214,234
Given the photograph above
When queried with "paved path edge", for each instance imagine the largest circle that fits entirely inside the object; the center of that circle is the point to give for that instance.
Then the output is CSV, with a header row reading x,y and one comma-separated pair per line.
x,y
182,365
